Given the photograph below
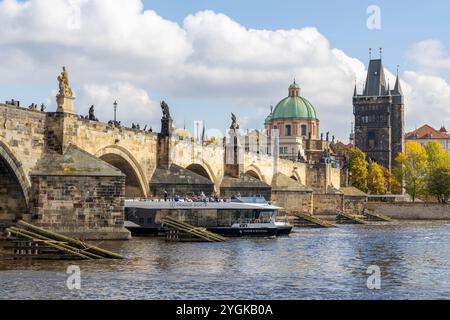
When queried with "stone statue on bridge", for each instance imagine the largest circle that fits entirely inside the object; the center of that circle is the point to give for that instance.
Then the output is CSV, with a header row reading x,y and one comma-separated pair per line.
x,y
165,110
234,124
65,99
166,120
92,114
64,87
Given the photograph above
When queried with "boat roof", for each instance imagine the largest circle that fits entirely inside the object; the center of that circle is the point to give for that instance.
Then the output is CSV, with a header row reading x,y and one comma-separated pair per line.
x,y
198,205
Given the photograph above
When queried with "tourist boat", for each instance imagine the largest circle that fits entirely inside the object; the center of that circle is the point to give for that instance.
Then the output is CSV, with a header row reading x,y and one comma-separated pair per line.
x,y
235,218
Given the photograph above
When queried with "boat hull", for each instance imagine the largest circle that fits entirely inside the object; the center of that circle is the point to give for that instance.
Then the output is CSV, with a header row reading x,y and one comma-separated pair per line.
x,y
143,232
244,232
284,231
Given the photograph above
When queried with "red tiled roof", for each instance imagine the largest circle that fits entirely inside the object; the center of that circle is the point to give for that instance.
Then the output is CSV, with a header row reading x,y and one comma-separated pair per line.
x,y
427,132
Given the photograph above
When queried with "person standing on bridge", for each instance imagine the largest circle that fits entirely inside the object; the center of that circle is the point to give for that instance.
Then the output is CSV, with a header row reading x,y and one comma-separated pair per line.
x,y
166,195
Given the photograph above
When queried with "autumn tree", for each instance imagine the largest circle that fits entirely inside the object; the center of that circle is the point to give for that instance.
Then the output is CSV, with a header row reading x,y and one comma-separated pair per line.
x,y
413,170
392,184
358,169
376,183
438,175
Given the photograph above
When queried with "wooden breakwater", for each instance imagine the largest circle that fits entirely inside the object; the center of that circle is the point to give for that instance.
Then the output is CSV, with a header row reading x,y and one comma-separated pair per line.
x,y
372,216
345,218
303,220
24,241
183,232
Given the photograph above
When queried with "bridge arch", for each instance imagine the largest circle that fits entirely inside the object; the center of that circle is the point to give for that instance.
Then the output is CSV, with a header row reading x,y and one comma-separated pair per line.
x,y
136,183
255,172
201,170
14,186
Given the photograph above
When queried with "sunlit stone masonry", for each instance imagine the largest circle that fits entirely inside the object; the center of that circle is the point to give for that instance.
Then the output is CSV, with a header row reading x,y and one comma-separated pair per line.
x,y
72,174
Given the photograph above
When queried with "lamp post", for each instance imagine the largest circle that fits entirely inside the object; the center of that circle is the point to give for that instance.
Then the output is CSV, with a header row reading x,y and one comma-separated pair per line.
x,y
115,112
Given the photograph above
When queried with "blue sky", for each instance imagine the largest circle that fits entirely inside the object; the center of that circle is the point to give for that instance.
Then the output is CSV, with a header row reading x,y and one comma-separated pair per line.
x,y
343,22
208,58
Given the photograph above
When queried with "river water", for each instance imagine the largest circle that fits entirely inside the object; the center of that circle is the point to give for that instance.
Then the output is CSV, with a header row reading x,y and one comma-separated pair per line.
x,y
413,257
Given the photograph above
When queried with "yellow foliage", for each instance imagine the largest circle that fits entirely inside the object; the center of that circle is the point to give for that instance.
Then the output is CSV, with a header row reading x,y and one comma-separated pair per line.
x,y
414,164
376,183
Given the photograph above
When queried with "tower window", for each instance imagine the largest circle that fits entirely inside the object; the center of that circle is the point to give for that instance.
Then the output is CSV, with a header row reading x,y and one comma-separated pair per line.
x,y
288,130
304,129
371,139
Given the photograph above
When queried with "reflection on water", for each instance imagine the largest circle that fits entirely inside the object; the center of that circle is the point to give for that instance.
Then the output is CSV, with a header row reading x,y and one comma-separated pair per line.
x,y
310,264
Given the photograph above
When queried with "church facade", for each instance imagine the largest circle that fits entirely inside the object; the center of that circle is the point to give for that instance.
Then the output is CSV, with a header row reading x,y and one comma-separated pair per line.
x,y
295,124
379,117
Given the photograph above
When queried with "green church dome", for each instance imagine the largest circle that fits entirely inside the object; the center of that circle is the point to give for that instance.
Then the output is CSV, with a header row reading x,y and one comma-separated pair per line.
x,y
293,107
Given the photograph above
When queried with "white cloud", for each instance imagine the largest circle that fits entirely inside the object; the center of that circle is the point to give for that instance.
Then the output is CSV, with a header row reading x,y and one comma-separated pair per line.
x,y
134,104
427,100
429,56
121,51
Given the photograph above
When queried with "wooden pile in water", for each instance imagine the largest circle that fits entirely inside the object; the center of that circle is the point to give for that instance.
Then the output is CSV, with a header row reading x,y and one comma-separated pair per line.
x,y
26,241
307,220
184,232
345,218
371,216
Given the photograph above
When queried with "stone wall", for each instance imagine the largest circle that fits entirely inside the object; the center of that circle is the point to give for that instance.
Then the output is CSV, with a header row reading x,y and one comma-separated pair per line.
x,y
328,204
411,211
86,207
354,205
23,132
293,201
334,176
136,147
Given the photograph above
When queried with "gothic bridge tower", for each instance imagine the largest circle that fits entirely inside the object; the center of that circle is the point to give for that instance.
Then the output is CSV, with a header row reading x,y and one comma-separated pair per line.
x,y
379,117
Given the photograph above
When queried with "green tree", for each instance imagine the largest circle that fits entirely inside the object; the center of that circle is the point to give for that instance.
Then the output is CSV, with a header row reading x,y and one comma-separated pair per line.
x,y
358,169
438,175
413,170
438,184
376,183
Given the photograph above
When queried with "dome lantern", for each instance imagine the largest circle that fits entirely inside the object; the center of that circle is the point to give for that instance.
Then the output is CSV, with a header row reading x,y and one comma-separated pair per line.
x,y
294,90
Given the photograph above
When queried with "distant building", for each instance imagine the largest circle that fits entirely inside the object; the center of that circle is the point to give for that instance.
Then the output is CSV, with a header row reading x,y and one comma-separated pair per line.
x,y
298,127
427,133
379,117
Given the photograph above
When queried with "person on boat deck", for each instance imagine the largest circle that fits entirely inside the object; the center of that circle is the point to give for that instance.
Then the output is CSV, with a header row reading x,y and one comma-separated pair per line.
x,y
166,195
177,198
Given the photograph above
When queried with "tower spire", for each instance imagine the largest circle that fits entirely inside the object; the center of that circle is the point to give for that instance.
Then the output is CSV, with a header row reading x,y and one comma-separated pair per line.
x,y
355,92
398,88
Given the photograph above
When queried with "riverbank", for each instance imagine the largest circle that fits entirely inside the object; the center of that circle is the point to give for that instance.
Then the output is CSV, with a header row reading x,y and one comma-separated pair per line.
x,y
411,211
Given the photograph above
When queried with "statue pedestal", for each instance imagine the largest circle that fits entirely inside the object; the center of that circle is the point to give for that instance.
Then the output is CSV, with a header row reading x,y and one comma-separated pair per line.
x,y
65,104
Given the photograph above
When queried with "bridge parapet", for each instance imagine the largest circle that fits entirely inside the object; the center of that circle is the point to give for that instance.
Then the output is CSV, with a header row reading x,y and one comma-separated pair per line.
x,y
23,133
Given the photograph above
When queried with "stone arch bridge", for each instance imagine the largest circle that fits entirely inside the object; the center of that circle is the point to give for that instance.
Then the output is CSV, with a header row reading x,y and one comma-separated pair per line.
x,y
59,169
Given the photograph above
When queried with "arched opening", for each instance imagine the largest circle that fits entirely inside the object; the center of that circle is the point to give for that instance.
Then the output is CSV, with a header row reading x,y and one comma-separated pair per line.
x,y
200,170
253,174
13,201
133,188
